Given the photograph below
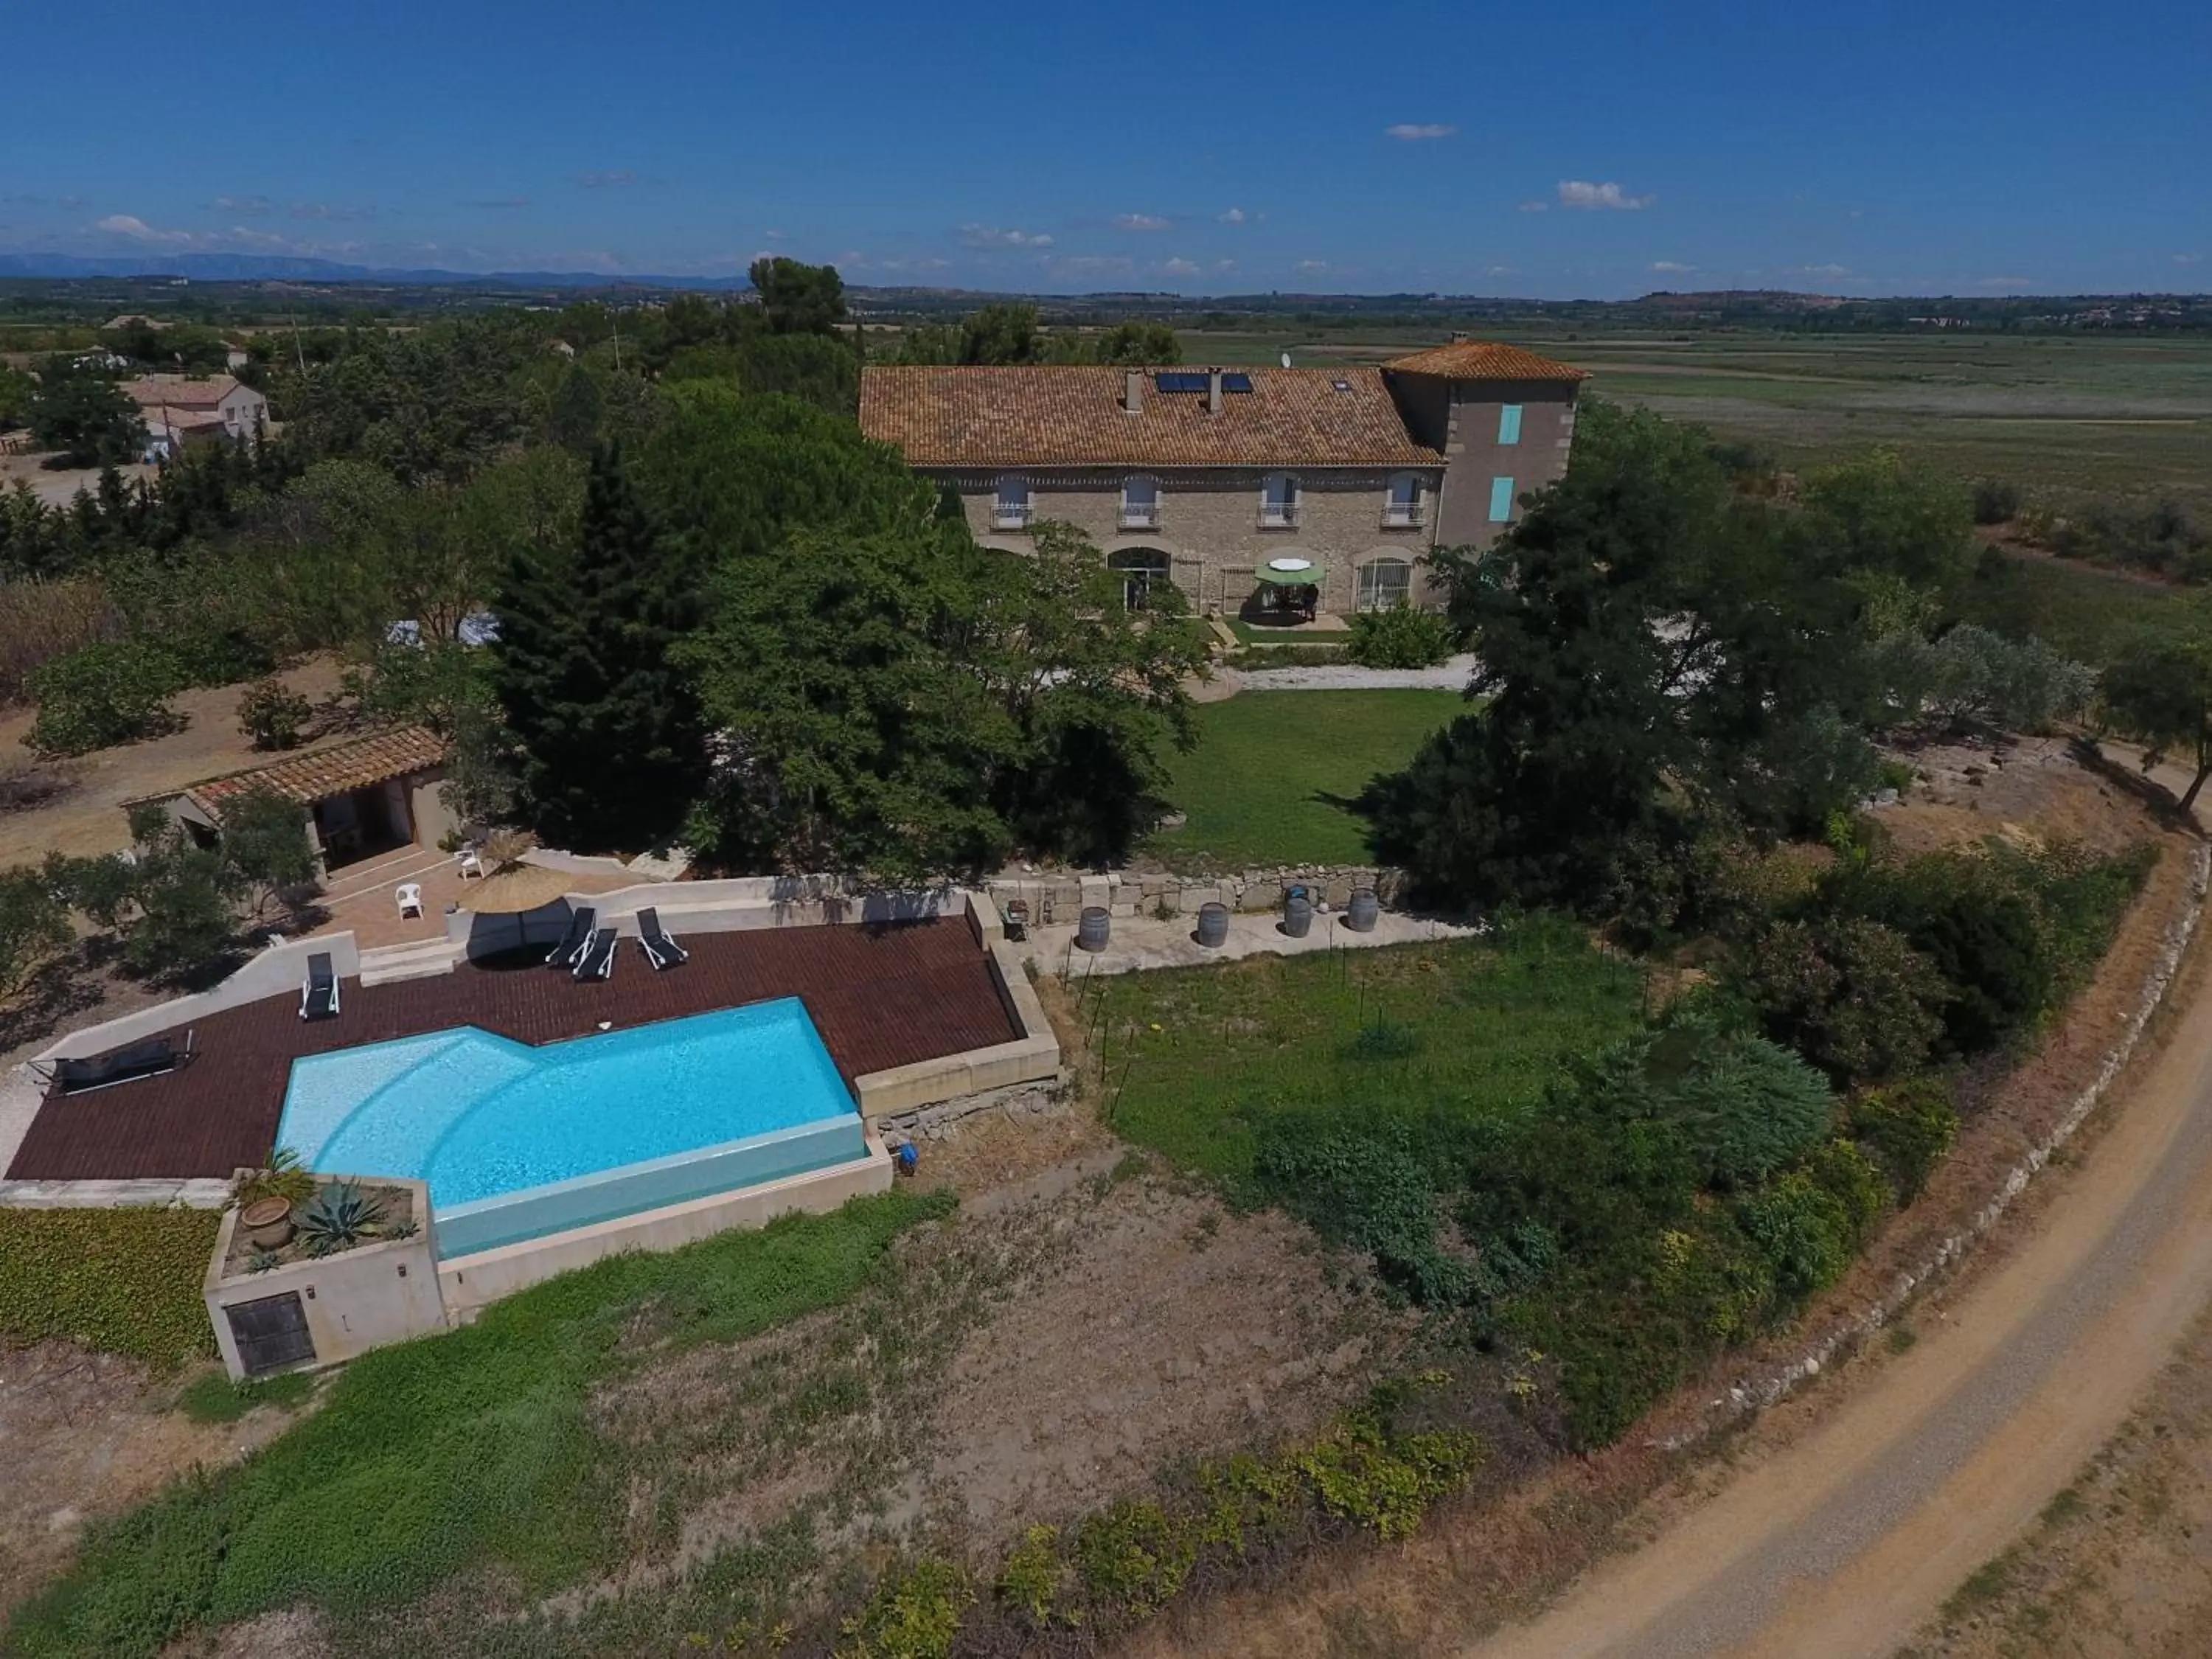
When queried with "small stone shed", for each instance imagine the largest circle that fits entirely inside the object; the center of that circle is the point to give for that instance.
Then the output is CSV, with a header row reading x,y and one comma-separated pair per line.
x,y
363,799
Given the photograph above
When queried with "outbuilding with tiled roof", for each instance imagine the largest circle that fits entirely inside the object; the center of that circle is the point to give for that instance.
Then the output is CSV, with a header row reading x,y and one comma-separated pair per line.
x,y
360,798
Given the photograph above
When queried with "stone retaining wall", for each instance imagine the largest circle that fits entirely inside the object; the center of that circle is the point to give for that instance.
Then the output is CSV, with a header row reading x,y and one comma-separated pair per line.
x,y
1062,897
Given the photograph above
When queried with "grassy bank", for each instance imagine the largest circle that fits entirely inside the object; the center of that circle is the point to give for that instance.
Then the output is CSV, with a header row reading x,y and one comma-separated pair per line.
x,y
1273,774
479,1450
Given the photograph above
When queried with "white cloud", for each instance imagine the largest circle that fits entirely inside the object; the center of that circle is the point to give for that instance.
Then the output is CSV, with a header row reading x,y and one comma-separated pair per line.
x,y
1180,267
992,236
606,178
1233,216
1816,271
1141,222
1085,264
330,210
1311,267
1672,267
1583,193
2189,259
773,235
2005,283
1538,206
130,225
253,207
1498,271
1225,265
1413,132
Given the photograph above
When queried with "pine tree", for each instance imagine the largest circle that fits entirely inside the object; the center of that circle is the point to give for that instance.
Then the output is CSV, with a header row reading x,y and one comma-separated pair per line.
x,y
613,751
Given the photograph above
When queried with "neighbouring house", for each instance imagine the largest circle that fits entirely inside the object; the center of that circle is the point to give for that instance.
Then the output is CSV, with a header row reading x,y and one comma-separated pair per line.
x,y
182,409
1216,480
361,799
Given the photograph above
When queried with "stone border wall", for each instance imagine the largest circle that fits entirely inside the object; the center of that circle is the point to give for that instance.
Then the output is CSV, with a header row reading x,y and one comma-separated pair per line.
x,y
1166,894
1756,1393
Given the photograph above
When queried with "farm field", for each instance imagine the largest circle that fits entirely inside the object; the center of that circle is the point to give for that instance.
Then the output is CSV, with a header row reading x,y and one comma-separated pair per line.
x,y
2062,416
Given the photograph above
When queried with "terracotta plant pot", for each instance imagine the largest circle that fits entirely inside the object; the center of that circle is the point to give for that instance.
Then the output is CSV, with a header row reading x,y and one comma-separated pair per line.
x,y
268,1223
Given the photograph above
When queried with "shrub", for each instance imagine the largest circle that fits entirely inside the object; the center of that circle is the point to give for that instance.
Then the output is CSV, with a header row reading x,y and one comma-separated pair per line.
x,y
1803,1229
33,926
1853,996
1862,1192
1364,1186
123,1281
1996,500
286,1178
1401,637
43,619
117,691
913,1614
1908,1128
1742,1105
1978,920
273,715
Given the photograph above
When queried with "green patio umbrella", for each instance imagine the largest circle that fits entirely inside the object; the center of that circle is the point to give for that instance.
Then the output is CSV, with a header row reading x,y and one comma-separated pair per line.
x,y
1290,572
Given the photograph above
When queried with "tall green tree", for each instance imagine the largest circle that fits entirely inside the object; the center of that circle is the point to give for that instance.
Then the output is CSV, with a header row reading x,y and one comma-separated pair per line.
x,y
608,732
87,419
2159,693
799,299
1650,652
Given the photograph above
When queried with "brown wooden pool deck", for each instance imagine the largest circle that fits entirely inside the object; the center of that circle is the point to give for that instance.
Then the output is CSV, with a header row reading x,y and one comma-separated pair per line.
x,y
880,997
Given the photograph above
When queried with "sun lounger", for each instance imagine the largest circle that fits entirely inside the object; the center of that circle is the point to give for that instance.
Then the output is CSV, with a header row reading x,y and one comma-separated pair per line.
x,y
575,941
660,950
319,996
598,960
151,1058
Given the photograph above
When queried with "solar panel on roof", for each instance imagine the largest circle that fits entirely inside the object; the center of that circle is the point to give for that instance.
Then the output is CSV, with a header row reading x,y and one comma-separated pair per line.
x,y
1236,383
1180,382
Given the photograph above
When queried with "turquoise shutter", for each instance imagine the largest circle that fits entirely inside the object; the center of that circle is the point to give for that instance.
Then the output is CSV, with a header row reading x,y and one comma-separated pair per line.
x,y
1509,424
1501,501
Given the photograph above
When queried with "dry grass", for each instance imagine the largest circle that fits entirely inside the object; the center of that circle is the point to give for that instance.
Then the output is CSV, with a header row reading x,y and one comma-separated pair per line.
x,y
41,620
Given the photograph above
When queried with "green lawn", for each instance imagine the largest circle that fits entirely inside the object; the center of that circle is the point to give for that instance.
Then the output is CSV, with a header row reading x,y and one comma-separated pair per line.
x,y
1426,1033
1274,773
2088,613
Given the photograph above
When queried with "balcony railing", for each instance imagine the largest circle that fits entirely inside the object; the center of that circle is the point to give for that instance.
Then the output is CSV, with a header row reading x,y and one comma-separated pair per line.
x,y
1135,517
1278,515
1405,515
1011,516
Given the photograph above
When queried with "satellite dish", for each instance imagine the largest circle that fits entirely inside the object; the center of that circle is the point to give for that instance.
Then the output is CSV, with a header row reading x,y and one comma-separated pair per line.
x,y
1286,360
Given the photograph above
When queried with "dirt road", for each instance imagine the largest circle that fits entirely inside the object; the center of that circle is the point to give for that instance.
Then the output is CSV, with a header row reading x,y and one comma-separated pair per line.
x,y
1843,1543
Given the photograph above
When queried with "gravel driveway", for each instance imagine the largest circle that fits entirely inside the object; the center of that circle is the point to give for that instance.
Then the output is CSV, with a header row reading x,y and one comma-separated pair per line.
x,y
1448,676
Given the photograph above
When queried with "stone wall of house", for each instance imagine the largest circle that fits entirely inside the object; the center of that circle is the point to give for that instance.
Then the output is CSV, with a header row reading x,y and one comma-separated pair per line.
x,y
1209,526
1061,898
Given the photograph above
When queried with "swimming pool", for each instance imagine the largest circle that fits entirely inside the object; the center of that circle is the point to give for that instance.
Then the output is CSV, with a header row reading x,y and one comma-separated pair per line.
x,y
515,1141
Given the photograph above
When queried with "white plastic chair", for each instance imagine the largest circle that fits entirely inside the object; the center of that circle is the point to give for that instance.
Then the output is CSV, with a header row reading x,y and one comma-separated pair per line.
x,y
470,864
409,895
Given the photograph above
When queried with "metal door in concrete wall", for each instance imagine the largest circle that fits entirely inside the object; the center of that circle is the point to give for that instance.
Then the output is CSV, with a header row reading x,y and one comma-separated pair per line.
x,y
271,1333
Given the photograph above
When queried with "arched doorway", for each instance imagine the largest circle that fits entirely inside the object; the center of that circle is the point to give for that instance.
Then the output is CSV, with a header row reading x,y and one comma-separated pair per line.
x,y
1139,568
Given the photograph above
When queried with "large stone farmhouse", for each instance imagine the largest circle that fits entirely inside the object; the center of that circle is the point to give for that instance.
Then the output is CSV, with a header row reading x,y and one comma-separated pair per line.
x,y
1207,479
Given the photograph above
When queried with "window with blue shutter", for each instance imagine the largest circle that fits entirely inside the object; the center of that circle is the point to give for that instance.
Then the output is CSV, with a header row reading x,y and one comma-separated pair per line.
x,y
1509,424
1501,501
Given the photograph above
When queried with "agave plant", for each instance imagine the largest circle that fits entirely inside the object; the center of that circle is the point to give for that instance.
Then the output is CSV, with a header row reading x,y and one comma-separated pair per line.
x,y
339,1216
261,1261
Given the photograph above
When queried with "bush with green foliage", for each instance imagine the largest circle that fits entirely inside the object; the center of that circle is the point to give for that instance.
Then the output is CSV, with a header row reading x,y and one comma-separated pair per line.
x,y
123,1281
33,927
273,715
1907,1128
116,691
1401,637
1997,501
1852,995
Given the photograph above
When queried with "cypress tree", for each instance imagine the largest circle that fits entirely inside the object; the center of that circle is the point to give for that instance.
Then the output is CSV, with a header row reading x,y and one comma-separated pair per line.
x,y
613,750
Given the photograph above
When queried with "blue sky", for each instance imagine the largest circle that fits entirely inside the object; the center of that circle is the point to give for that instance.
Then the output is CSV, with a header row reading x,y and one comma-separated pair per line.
x,y
1558,149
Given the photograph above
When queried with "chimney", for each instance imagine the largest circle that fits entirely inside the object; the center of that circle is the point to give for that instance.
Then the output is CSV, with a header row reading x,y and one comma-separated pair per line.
x,y
1213,392
1133,392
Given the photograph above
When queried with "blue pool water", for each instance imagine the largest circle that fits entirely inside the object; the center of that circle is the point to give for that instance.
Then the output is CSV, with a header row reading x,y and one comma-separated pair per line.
x,y
479,1116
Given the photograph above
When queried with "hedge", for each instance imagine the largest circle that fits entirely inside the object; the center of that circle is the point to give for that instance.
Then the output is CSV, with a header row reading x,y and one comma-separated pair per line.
x,y
126,1281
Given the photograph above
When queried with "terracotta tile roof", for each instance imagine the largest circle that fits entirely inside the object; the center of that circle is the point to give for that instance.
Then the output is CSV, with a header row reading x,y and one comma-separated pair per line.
x,y
179,391
325,772
1485,359
159,417
1072,416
